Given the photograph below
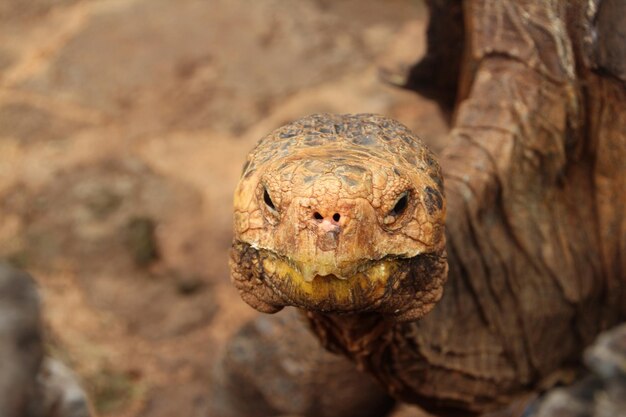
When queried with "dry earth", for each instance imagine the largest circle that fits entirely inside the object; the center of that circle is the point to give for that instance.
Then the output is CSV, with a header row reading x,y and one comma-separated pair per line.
x,y
123,127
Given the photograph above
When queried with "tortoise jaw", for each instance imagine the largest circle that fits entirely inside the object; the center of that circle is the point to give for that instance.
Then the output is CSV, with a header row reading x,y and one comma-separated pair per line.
x,y
310,272
311,277
318,287
404,288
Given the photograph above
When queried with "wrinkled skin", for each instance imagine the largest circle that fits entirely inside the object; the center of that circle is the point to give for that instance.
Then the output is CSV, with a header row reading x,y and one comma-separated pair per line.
x,y
535,227
341,213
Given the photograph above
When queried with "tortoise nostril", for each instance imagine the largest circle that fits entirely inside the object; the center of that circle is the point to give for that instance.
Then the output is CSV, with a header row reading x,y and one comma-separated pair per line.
x,y
318,216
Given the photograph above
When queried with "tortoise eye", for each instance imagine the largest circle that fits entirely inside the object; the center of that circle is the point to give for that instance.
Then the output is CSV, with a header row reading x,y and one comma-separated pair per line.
x,y
400,205
268,200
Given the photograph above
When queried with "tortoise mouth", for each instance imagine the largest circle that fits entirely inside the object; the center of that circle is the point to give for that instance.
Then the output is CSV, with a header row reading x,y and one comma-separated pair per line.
x,y
405,288
367,284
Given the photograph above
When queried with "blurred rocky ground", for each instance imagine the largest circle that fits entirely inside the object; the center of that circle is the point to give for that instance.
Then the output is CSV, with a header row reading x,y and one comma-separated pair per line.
x,y
31,384
123,128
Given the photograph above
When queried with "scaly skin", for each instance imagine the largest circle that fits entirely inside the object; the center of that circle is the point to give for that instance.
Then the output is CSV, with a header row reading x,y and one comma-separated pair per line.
x,y
318,226
535,233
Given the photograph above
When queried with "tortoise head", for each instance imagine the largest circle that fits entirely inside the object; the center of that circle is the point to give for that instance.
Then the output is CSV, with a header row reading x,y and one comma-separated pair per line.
x,y
340,213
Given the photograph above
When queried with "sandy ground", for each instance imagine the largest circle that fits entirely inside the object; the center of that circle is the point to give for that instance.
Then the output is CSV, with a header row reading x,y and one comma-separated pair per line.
x,y
123,128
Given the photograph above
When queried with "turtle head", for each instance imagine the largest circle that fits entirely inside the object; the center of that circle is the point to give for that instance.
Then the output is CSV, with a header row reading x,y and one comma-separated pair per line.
x,y
340,214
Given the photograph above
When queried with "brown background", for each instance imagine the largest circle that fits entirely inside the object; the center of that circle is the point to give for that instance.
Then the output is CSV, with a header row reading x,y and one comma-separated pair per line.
x,y
119,113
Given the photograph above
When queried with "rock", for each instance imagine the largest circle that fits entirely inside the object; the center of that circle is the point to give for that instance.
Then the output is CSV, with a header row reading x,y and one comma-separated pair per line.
x,y
607,356
21,346
29,385
62,394
607,359
274,366
601,394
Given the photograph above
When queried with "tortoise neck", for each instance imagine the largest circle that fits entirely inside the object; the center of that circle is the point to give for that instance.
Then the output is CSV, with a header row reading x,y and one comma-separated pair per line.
x,y
362,336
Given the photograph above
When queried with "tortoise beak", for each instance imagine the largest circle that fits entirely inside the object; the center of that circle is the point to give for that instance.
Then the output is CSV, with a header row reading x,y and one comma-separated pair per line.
x,y
310,271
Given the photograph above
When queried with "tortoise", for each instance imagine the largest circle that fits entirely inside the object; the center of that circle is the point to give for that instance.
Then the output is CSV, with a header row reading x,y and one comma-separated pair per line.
x,y
464,299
